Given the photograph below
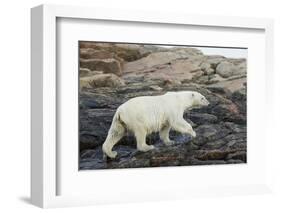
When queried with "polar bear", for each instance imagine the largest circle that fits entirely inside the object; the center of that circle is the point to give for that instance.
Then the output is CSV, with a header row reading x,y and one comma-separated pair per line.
x,y
147,114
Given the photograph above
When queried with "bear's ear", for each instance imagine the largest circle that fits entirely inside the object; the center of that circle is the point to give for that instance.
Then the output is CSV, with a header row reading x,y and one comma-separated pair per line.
x,y
192,95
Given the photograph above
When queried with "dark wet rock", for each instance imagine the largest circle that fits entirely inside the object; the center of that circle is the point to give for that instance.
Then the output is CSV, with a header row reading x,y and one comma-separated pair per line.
x,y
202,118
209,132
218,127
94,125
126,151
87,164
88,153
239,97
214,144
235,128
235,142
206,162
133,163
212,155
94,100
240,155
234,161
229,112
92,153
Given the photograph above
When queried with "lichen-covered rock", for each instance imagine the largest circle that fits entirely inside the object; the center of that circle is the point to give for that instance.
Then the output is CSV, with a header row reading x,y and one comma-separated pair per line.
x,y
101,80
215,79
84,72
109,65
101,50
89,53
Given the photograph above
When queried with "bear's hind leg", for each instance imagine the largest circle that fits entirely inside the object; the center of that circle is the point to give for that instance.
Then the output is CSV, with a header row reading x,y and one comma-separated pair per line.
x,y
164,135
112,138
141,141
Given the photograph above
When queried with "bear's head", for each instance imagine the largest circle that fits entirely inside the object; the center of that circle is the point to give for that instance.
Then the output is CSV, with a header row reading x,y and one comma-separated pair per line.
x,y
199,100
189,99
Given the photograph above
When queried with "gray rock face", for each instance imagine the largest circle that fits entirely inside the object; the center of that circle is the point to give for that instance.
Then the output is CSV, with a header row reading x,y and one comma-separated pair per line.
x,y
220,127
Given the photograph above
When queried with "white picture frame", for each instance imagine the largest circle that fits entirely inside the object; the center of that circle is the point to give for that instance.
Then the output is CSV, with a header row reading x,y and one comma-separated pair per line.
x,y
44,155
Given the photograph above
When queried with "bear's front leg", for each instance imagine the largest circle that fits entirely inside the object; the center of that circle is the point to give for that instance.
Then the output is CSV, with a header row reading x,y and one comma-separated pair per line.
x,y
183,127
141,141
164,135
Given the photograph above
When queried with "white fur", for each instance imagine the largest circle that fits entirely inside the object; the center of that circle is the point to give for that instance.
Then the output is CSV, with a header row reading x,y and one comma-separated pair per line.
x,y
147,114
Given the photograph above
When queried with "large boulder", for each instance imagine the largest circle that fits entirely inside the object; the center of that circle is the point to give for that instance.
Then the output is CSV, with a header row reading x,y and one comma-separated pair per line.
x,y
232,68
226,69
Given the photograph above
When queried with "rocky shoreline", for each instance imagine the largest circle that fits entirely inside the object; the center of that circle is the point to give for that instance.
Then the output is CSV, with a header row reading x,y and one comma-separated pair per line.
x,y
111,74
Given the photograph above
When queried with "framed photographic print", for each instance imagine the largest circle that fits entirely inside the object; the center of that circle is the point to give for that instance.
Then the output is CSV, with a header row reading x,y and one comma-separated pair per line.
x,y
130,106
193,98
